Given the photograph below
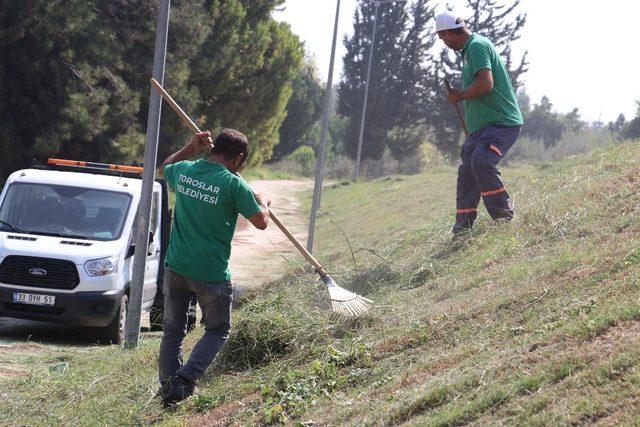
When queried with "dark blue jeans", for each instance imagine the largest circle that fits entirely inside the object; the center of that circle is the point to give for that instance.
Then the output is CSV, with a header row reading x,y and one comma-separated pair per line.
x,y
478,175
215,300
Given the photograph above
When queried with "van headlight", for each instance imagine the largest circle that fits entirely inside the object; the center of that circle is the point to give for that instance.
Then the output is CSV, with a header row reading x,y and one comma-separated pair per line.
x,y
102,266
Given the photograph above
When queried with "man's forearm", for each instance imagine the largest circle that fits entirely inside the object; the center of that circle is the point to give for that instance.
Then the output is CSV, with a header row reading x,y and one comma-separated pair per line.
x,y
185,153
263,201
200,142
482,85
478,89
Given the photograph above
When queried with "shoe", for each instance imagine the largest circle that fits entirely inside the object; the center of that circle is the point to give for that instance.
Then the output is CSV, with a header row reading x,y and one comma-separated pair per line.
x,y
504,219
179,389
164,389
457,230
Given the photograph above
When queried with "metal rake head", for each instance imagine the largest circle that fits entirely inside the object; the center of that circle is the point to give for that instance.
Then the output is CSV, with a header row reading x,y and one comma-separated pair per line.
x,y
346,304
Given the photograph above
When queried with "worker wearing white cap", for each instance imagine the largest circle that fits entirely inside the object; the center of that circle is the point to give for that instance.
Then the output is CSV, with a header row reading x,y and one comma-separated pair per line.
x,y
493,119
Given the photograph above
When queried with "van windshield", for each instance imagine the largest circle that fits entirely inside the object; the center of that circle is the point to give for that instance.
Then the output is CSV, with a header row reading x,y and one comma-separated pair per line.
x,y
64,211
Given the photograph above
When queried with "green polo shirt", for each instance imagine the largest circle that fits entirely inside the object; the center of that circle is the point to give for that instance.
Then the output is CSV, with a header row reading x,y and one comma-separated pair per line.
x,y
498,107
208,200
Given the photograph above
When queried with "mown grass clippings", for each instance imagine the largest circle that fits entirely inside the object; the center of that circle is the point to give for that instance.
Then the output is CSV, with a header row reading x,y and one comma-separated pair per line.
x,y
266,329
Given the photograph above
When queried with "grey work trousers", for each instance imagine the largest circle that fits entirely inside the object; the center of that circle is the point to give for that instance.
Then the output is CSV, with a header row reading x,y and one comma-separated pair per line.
x,y
215,300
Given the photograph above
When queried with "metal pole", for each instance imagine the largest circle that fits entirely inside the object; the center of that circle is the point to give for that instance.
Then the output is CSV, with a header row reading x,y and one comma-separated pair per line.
x,y
317,190
356,172
132,326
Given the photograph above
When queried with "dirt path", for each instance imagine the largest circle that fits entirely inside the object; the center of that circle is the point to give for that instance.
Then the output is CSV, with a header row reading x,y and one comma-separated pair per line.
x,y
259,256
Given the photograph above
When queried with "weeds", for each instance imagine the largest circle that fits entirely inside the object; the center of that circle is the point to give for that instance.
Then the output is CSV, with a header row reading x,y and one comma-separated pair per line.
x,y
290,394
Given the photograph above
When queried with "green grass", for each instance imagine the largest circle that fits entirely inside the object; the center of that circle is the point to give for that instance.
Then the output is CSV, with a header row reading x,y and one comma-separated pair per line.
x,y
531,323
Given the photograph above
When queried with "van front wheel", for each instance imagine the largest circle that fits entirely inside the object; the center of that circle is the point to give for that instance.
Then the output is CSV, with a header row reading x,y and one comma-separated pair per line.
x,y
114,332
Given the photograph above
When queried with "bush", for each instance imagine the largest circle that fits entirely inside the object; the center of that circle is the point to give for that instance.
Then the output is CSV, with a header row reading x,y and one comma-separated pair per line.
x,y
305,159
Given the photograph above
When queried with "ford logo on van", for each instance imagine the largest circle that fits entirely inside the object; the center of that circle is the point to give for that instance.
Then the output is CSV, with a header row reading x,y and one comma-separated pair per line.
x,y
38,272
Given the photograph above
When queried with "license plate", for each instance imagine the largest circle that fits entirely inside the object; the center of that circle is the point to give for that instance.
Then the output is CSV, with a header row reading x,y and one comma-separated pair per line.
x,y
33,299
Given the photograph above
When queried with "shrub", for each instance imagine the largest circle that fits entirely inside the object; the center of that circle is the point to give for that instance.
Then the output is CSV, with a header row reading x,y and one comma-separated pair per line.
x,y
305,158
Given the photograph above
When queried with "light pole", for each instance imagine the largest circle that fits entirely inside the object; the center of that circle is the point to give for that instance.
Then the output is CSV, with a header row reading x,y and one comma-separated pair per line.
x,y
132,323
317,189
356,172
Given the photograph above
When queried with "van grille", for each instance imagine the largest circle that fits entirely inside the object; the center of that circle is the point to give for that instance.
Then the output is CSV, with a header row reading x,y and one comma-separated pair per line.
x,y
60,274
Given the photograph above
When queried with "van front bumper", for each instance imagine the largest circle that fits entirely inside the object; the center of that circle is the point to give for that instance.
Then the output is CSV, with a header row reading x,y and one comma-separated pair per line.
x,y
95,309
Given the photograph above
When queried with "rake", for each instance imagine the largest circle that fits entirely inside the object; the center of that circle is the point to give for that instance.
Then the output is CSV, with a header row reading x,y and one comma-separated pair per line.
x,y
345,304
458,112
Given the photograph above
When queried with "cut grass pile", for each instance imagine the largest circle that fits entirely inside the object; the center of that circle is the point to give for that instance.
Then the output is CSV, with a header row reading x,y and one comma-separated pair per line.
x,y
534,322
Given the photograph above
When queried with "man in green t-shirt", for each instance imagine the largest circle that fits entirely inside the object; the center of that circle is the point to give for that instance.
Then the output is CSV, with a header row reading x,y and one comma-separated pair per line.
x,y
493,119
209,197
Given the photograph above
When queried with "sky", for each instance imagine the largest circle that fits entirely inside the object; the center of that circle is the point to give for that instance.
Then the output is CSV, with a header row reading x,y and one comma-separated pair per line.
x,y
581,53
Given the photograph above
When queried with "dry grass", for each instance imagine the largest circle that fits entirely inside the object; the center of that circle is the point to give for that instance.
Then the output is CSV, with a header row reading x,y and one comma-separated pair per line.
x,y
532,323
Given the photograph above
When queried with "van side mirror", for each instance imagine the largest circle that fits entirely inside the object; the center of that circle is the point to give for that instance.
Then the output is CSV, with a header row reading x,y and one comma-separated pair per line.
x,y
150,249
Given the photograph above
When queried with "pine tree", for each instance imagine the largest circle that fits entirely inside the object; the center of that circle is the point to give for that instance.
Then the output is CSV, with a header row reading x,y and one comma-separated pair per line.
x,y
383,102
412,87
74,75
303,110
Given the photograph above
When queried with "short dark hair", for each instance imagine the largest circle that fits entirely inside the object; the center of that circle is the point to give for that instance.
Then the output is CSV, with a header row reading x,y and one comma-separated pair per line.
x,y
230,143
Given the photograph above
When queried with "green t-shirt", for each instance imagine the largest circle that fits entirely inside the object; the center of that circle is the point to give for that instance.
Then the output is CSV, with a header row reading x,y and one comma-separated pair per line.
x,y
208,200
498,107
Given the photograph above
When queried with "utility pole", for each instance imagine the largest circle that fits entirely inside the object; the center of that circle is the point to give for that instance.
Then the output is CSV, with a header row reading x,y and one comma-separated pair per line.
x,y
356,172
132,325
317,190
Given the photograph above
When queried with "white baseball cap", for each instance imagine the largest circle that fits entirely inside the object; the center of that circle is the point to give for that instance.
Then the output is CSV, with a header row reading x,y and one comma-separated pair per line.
x,y
448,21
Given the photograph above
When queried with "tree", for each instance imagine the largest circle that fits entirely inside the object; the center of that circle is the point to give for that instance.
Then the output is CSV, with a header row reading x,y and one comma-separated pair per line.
x,y
243,71
573,121
383,102
399,90
412,86
74,78
543,124
618,125
632,129
524,101
502,25
303,110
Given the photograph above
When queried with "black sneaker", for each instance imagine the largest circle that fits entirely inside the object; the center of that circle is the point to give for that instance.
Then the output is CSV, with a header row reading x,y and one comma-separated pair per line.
x,y
458,230
179,389
164,389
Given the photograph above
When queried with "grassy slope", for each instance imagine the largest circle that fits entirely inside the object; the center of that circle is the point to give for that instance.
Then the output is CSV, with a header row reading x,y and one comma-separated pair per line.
x,y
535,322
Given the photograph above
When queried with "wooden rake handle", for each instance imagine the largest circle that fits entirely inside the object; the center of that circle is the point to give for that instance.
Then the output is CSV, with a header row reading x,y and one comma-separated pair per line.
x,y
460,116
194,128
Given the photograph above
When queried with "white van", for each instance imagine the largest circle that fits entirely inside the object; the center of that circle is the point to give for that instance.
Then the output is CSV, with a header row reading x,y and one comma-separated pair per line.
x,y
67,233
